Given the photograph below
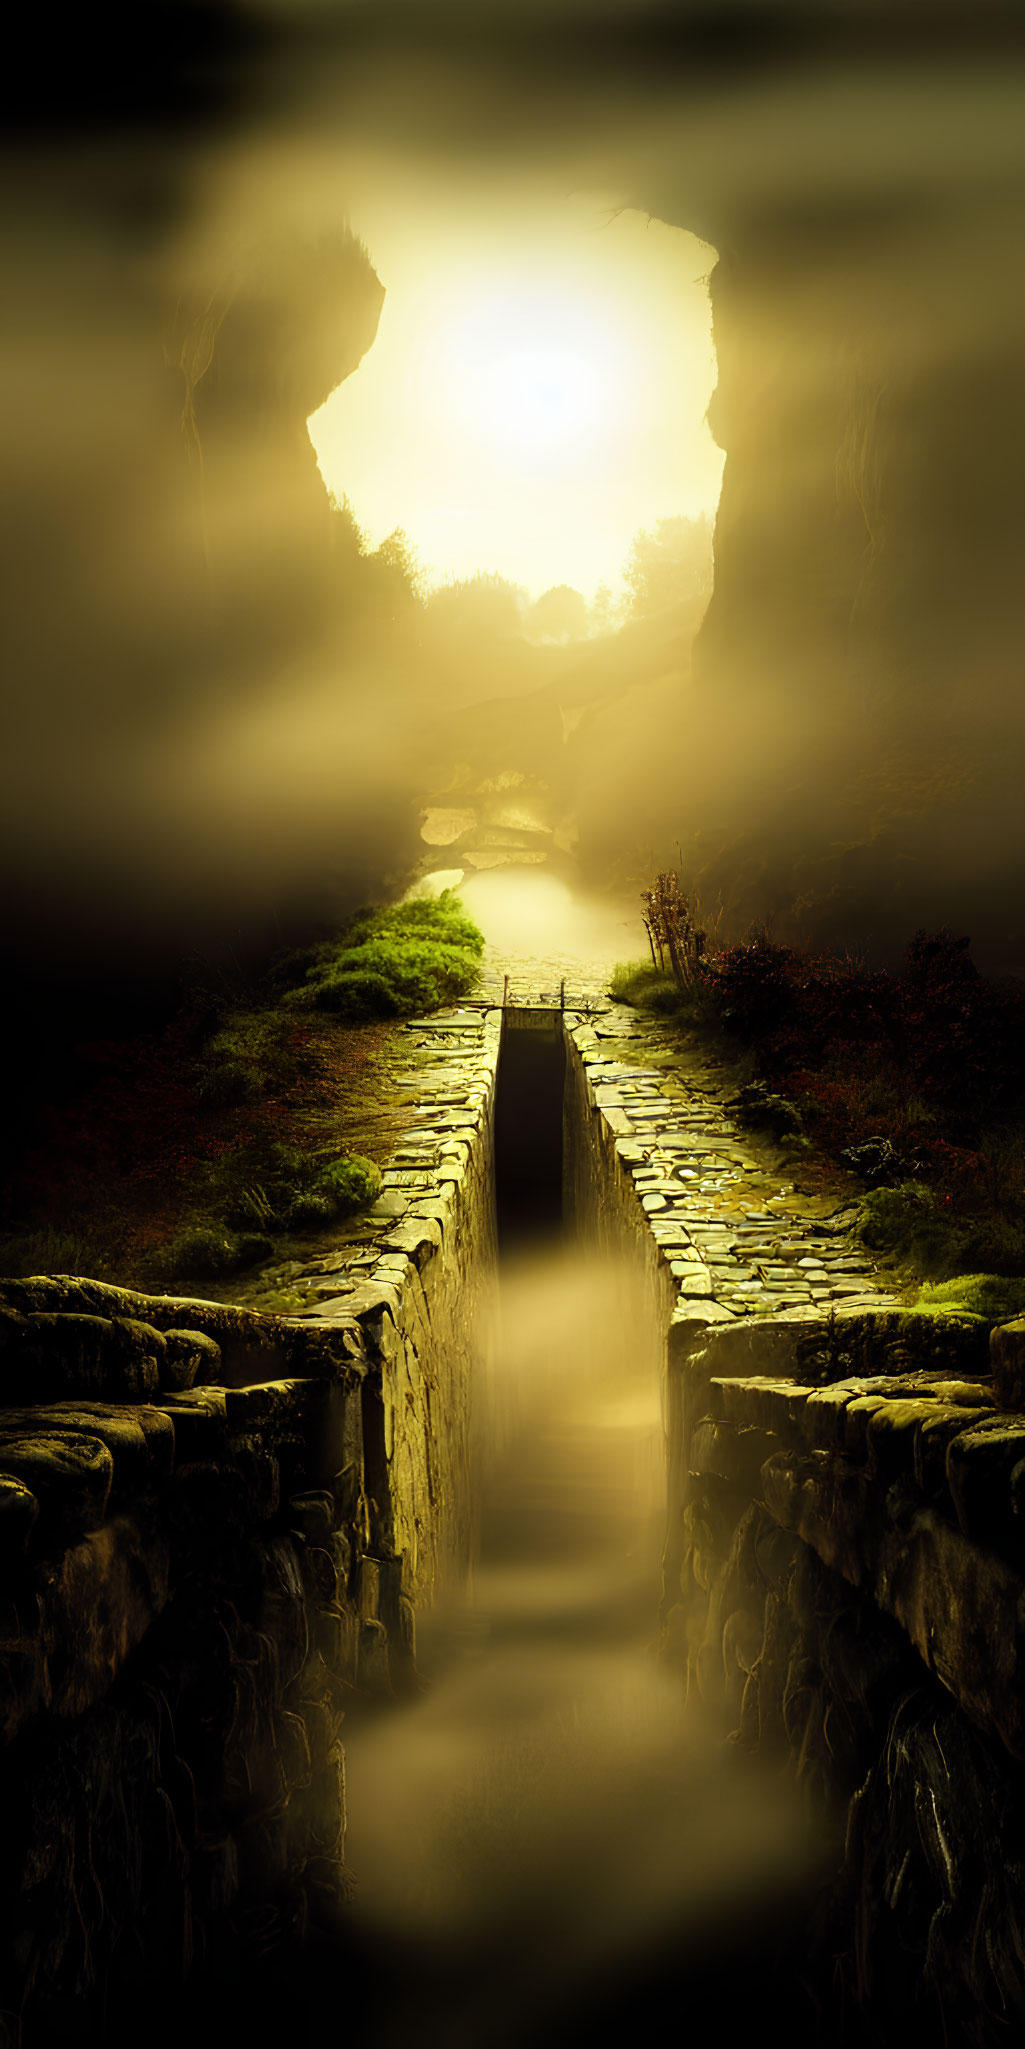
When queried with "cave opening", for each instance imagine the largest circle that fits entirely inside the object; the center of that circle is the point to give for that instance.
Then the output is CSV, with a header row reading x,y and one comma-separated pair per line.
x,y
528,1130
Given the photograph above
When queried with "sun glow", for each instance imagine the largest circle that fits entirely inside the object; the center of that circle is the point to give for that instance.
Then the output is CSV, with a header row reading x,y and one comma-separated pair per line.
x,y
531,375
536,392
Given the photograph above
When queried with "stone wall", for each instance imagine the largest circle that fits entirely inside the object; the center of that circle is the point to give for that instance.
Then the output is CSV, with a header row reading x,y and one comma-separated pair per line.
x,y
852,1588
216,1527
844,1570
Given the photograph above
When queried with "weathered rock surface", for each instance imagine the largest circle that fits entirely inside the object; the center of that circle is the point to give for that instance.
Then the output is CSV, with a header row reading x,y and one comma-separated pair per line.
x,y
237,1512
216,1525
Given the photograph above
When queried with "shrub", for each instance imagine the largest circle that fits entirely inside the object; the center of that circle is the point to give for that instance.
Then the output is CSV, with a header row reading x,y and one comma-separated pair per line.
x,y
355,994
226,1084
289,969
752,985
303,998
671,922
202,1250
908,1222
996,1244
441,918
274,1186
306,1209
878,1160
765,1111
353,1183
412,973
206,1252
387,962
251,1249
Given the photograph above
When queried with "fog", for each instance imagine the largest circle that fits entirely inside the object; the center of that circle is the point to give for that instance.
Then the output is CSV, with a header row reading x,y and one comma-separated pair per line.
x,y
547,1833
222,719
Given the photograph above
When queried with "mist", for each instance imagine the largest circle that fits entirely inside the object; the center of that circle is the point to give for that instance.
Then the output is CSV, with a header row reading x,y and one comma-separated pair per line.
x,y
223,719
547,1833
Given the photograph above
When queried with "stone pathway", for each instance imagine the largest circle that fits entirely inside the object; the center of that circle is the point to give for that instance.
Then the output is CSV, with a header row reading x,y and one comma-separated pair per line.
x,y
449,1072
537,978
722,1204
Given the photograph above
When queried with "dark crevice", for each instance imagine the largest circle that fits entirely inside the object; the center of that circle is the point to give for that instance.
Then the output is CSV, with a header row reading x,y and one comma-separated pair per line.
x,y
528,1132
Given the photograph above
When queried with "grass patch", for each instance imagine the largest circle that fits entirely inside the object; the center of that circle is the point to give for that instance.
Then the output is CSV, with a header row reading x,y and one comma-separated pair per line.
x,y
50,1251
995,1297
390,962
647,987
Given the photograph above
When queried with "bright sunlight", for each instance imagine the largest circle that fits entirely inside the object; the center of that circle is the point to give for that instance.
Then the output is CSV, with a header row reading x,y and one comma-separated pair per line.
x,y
536,392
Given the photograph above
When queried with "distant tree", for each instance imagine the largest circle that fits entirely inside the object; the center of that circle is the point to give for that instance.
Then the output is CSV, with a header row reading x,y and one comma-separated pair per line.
x,y
559,614
349,543
671,565
398,565
385,582
605,610
486,604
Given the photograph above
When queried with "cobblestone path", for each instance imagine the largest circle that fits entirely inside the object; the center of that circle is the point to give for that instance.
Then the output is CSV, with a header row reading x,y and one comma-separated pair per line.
x,y
727,1208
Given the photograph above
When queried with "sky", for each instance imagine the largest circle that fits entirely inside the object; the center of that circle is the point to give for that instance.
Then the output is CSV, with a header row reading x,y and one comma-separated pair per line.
x,y
537,390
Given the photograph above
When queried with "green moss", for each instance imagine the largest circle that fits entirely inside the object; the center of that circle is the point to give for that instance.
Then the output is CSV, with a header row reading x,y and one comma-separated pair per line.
x,y
391,961
997,1298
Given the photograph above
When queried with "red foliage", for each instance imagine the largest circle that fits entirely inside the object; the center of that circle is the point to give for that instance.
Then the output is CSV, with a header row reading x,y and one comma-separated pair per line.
x,y
921,1060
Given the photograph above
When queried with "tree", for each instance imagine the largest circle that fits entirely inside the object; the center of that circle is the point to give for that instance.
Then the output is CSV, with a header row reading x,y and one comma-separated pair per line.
x,y
485,605
398,564
559,614
385,581
670,566
605,610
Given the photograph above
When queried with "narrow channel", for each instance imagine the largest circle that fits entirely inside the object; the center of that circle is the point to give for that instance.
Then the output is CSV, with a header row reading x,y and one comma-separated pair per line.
x,y
528,1130
546,1846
